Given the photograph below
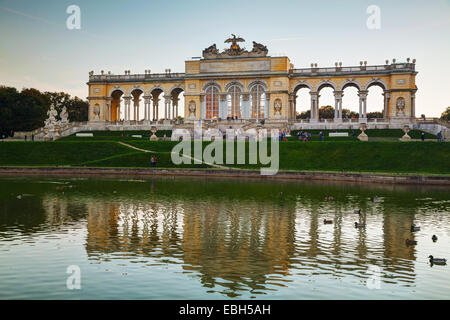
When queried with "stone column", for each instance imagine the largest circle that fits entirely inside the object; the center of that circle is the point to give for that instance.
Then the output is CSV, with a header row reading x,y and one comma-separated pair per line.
x,y
245,106
149,108
294,107
362,104
267,106
338,105
223,108
175,108
413,105
202,107
314,103
127,108
108,109
146,108
291,108
386,95
136,108
167,108
156,108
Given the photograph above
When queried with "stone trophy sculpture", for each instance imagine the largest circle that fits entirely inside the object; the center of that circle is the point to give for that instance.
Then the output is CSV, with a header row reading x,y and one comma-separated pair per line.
x,y
96,113
363,136
278,107
400,107
406,137
153,137
192,109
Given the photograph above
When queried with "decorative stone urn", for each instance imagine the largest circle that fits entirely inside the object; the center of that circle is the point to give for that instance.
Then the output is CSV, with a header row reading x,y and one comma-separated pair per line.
x,y
406,137
153,137
363,136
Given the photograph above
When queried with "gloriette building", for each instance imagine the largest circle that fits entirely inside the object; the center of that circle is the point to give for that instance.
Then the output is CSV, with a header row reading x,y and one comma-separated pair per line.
x,y
247,86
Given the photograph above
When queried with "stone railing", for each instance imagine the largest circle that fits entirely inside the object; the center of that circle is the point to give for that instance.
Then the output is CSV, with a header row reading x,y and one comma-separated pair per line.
x,y
433,120
134,77
363,69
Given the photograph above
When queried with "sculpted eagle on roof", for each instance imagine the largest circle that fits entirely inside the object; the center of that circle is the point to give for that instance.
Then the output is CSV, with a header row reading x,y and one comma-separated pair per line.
x,y
234,39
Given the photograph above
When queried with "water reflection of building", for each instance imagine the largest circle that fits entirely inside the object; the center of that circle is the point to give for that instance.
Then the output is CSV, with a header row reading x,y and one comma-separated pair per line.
x,y
237,244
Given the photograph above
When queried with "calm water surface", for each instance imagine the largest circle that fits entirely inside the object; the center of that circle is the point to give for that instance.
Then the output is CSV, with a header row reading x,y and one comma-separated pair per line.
x,y
215,239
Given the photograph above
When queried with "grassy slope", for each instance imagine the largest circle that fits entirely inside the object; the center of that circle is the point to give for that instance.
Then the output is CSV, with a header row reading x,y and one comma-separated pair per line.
x,y
396,157
56,153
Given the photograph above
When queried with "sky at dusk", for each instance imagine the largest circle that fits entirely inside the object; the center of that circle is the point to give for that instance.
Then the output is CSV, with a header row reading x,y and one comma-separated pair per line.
x,y
37,50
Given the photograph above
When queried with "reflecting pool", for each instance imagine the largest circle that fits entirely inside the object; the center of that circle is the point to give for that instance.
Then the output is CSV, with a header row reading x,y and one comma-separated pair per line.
x,y
187,238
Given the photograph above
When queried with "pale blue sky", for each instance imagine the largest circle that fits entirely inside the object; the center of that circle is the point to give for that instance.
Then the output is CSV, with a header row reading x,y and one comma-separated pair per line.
x,y
37,50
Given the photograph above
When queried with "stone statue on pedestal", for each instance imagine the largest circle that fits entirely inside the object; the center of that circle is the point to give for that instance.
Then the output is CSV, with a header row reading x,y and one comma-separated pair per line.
x,y
64,117
51,124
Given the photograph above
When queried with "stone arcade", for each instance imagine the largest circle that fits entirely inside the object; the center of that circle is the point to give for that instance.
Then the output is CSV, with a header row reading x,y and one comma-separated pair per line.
x,y
247,86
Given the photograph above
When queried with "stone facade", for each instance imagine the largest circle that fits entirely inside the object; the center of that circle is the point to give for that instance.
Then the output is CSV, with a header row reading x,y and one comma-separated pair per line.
x,y
247,85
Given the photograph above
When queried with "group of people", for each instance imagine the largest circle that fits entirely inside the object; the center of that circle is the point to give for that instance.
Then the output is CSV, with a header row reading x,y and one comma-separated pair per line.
x,y
306,136
282,136
153,161
439,136
32,137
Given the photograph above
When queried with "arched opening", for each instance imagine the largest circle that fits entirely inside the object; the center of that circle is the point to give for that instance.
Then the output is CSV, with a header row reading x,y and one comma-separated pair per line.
x,y
117,108
137,112
177,103
302,104
234,101
375,101
325,101
350,101
257,102
212,102
157,100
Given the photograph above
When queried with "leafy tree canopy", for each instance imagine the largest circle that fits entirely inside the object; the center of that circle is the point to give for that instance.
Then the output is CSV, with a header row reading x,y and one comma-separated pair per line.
x,y
27,110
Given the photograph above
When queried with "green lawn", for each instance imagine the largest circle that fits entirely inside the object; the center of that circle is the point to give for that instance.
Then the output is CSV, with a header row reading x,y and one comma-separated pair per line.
x,y
354,156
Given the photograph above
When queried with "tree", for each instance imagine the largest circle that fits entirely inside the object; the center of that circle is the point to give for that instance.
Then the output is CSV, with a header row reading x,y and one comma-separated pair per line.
x,y
326,112
445,116
347,114
304,115
27,110
8,97
375,115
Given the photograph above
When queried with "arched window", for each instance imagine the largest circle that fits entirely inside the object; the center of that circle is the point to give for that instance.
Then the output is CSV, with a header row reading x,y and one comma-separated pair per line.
x,y
234,101
212,103
258,102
